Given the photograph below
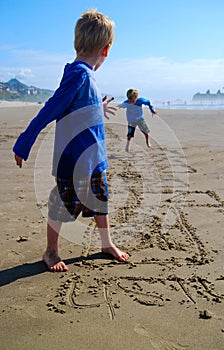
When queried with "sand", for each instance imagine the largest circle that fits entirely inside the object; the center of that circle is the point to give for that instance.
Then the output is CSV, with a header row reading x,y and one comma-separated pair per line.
x,y
166,210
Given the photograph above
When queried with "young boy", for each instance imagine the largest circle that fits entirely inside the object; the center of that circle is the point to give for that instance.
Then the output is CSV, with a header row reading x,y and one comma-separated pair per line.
x,y
135,115
79,159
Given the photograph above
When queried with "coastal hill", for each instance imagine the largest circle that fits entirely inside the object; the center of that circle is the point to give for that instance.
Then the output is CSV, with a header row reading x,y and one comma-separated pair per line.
x,y
14,90
209,98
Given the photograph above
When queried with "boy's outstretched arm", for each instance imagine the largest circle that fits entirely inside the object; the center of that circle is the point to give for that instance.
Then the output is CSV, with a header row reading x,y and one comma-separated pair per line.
x,y
152,109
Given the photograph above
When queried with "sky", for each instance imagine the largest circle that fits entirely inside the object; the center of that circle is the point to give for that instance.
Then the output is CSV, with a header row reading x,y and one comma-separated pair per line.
x,y
167,49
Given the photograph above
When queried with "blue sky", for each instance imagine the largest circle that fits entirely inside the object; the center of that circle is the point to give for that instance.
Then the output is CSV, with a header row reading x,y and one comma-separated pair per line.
x,y
168,49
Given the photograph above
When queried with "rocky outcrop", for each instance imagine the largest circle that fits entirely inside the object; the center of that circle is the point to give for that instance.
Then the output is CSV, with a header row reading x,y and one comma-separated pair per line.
x,y
209,97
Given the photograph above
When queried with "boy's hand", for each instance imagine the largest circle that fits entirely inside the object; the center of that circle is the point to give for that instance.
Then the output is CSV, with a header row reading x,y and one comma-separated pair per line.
x,y
19,161
106,108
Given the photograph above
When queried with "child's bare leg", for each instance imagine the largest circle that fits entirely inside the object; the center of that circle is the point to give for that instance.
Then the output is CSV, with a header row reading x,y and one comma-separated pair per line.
x,y
102,222
51,257
127,148
147,139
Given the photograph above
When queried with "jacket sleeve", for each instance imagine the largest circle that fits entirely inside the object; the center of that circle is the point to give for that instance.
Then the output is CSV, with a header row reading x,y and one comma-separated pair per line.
x,y
148,103
151,108
54,108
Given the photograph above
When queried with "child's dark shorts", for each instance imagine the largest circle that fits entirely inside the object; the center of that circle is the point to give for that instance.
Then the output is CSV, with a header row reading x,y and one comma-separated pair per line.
x,y
141,124
71,197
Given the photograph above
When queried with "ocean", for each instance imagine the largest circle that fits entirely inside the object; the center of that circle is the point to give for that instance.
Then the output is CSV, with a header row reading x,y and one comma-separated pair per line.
x,y
202,107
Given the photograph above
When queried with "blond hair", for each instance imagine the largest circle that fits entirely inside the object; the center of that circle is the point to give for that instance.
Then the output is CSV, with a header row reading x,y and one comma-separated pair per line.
x,y
132,95
93,31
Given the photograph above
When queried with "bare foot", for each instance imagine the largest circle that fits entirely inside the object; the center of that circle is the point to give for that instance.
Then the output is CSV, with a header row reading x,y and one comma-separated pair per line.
x,y
127,148
148,144
53,262
147,140
116,253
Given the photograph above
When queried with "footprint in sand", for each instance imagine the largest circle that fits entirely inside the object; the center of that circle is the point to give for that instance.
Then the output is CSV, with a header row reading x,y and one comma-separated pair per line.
x,y
158,344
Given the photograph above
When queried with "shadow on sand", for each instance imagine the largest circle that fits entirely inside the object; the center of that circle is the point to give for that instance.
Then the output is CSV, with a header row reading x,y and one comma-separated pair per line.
x,y
12,274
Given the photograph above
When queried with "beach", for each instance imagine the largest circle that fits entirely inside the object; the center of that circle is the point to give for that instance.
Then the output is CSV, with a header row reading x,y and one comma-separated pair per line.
x,y
166,210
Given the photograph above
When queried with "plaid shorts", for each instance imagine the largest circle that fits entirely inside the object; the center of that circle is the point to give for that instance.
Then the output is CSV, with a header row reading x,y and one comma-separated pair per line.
x,y
71,197
141,124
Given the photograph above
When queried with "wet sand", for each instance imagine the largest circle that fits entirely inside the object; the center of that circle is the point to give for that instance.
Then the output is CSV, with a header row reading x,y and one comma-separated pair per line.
x,y
166,210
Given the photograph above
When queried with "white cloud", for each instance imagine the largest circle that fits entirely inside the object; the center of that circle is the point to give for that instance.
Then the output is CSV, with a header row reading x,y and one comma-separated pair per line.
x,y
25,73
32,67
162,78
155,77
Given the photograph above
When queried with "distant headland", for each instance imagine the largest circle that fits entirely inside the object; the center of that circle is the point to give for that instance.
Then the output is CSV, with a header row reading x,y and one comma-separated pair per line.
x,y
14,90
209,98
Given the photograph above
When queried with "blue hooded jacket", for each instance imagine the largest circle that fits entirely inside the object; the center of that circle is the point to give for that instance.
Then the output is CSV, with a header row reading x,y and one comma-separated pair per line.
x,y
76,106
